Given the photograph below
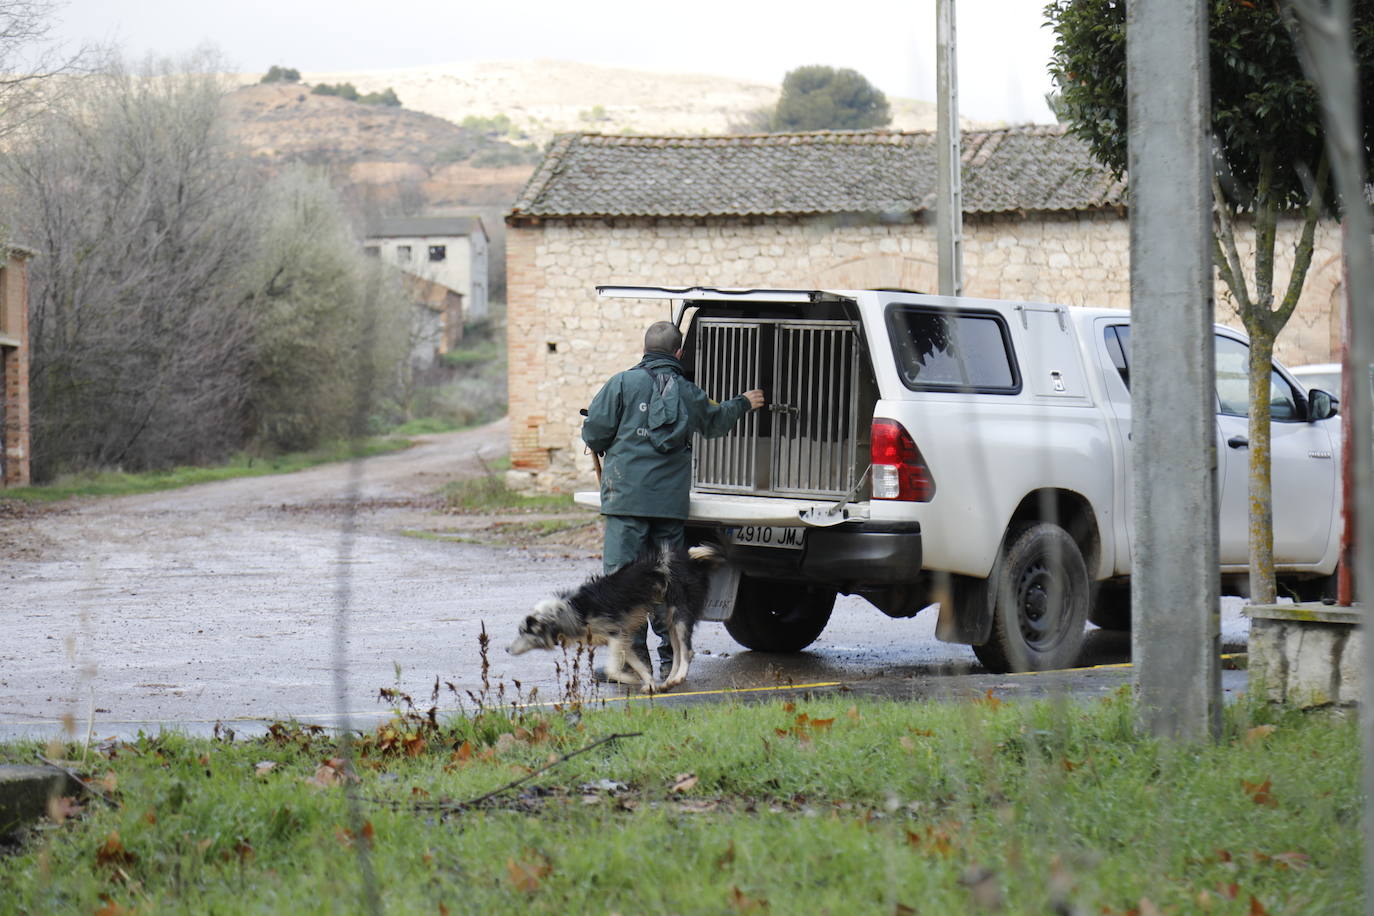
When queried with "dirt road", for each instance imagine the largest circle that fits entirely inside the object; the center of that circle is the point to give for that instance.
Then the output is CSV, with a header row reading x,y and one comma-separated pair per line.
x,y
259,599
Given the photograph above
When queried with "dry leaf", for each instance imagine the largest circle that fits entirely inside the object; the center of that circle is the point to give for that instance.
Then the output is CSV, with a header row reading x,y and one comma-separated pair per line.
x,y
989,700
683,782
110,908
727,857
1258,733
821,725
112,853
331,772
264,767
1260,793
853,713
527,875
1148,908
1291,859
901,909
1257,908
742,903
789,706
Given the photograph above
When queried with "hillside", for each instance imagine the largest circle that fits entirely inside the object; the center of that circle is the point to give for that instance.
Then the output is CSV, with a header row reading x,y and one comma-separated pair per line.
x,y
546,97
431,161
421,158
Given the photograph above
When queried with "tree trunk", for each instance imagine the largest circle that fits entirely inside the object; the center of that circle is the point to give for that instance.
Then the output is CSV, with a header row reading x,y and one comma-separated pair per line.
x,y
1262,589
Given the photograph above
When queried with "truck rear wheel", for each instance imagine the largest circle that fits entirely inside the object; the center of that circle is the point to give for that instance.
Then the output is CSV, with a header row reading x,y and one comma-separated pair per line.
x,y
1041,601
772,615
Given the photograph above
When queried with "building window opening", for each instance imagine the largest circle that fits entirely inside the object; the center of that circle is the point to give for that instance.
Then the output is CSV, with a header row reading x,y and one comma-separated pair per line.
x,y
403,253
438,252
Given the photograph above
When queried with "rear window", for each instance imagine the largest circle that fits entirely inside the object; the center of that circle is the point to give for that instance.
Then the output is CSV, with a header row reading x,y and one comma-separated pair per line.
x,y
952,350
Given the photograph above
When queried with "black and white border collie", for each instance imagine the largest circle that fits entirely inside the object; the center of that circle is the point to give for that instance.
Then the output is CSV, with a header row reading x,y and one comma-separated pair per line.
x,y
606,611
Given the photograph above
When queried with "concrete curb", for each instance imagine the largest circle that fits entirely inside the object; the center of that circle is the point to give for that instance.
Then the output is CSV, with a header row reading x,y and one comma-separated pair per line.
x,y
25,792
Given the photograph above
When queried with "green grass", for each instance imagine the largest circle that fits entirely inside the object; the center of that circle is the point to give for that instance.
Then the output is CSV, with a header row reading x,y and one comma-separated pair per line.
x,y
490,494
119,483
822,806
423,425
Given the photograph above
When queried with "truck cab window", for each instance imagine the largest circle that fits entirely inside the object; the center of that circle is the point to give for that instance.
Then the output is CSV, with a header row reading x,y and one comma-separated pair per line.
x,y
1118,338
1233,384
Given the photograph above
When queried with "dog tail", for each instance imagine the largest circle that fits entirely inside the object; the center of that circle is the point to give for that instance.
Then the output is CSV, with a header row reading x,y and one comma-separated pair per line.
x,y
708,554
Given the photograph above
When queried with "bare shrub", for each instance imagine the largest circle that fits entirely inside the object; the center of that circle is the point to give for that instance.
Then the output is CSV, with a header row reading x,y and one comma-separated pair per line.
x,y
130,193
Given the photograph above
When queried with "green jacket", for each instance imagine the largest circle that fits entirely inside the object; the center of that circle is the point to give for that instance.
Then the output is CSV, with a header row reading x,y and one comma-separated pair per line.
x,y
636,477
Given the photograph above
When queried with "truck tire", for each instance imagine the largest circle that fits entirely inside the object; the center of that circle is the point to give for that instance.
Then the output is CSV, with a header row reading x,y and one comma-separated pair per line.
x,y
1111,606
1040,604
772,615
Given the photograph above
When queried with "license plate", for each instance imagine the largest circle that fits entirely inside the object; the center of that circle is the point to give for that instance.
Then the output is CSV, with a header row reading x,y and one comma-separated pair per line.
x,y
770,536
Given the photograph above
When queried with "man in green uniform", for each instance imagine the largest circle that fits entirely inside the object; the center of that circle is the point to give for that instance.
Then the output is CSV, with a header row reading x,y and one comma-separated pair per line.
x,y
642,421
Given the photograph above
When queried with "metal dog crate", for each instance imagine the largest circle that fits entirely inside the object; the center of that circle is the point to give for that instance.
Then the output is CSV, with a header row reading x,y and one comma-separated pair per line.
x,y
804,442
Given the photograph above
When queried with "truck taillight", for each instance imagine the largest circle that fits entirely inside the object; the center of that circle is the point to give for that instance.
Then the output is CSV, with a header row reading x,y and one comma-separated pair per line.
x,y
899,471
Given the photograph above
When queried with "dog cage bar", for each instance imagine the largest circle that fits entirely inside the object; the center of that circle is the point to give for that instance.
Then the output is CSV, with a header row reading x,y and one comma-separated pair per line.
x,y
806,445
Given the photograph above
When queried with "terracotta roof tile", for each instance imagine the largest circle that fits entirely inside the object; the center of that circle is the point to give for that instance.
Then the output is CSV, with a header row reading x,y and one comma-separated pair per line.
x,y
821,172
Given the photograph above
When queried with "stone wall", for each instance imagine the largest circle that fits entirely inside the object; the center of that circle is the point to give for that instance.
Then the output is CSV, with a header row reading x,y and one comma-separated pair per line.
x,y
564,342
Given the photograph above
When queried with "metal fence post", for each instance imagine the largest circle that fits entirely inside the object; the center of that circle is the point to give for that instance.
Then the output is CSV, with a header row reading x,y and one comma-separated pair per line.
x,y
949,207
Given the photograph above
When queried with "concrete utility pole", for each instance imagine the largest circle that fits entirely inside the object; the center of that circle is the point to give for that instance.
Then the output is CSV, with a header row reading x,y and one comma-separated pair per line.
x,y
1329,58
949,204
1175,622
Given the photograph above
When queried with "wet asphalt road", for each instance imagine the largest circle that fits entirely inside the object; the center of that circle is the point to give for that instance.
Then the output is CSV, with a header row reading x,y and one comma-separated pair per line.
x,y
250,601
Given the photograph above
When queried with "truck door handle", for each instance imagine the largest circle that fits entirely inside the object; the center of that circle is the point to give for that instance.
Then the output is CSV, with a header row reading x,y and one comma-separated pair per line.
x,y
1238,442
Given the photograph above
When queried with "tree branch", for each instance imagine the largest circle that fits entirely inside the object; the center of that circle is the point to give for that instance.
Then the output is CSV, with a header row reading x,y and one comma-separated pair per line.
x,y
1224,247
1302,253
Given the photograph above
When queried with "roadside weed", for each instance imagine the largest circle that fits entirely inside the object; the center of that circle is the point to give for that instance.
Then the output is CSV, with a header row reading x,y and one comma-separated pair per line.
x,y
811,805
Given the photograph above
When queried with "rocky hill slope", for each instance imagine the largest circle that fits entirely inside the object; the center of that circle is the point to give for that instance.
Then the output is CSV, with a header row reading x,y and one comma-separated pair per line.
x,y
545,97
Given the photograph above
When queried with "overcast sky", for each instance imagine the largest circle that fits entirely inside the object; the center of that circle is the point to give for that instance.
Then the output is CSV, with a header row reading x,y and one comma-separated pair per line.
x,y
1002,50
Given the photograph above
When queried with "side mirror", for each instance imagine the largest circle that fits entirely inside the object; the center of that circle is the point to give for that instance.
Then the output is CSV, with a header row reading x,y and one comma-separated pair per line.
x,y
1320,405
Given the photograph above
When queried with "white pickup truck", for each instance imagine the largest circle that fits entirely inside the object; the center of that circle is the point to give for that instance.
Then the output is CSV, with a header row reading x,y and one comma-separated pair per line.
x,y
972,453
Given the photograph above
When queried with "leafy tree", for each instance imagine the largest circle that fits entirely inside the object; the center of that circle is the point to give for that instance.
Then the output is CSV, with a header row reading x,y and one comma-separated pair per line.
x,y
350,92
1269,163
386,97
823,98
342,90
277,74
328,323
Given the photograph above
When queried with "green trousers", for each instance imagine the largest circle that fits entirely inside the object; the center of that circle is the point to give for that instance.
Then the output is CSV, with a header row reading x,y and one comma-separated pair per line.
x,y
627,537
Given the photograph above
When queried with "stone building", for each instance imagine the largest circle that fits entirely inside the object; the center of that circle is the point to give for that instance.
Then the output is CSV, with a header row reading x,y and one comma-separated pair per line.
x,y
831,209
14,368
448,250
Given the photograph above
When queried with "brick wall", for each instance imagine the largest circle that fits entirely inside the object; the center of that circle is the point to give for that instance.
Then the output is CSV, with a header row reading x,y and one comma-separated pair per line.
x,y
564,342
14,328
